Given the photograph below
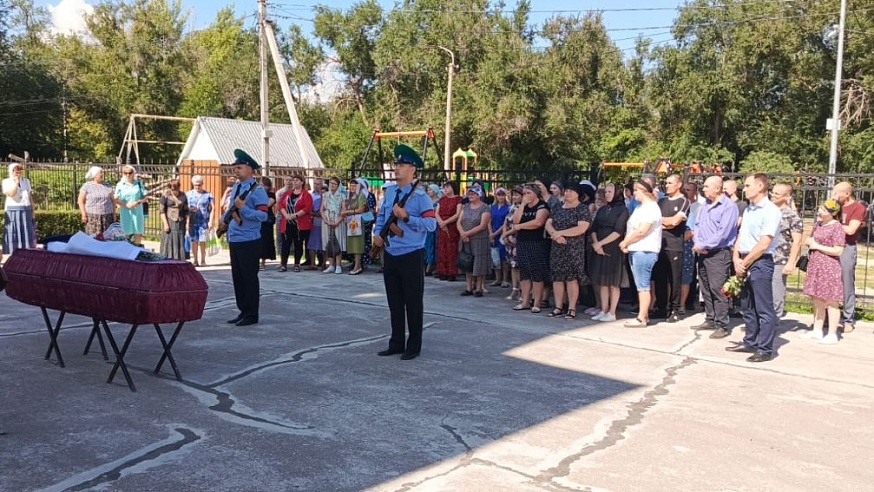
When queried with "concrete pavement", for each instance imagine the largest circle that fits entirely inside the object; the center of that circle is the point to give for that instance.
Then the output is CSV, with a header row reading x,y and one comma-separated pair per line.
x,y
499,400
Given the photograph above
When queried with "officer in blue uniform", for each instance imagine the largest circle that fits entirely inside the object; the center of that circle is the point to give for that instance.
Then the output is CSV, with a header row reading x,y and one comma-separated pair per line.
x,y
244,238
404,261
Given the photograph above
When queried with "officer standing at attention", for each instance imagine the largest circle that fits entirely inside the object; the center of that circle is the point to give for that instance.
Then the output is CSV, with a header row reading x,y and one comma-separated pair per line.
x,y
404,263
244,237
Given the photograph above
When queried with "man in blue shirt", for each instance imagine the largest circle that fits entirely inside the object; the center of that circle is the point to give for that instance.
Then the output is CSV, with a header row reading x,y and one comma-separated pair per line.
x,y
404,259
247,212
753,258
714,234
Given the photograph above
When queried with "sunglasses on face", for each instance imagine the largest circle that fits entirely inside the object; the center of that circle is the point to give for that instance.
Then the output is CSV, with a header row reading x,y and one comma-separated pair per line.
x,y
127,173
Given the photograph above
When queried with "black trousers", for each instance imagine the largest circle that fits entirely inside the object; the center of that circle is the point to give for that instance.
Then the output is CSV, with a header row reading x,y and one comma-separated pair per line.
x,y
713,272
292,238
245,258
668,275
404,278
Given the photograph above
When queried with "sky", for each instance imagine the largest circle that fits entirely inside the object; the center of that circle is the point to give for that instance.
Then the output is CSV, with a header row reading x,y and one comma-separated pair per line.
x,y
650,18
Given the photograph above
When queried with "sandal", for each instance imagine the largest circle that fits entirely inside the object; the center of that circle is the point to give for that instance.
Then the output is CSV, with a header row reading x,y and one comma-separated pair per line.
x,y
466,293
535,310
296,268
571,314
635,323
513,294
520,307
356,272
556,312
283,268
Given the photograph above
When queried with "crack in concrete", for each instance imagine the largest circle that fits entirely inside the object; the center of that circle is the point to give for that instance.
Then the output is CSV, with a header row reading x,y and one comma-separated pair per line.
x,y
453,431
616,432
136,462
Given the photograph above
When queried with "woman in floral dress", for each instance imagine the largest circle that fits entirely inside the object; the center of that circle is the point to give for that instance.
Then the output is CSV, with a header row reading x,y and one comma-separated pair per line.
x,y
823,280
567,228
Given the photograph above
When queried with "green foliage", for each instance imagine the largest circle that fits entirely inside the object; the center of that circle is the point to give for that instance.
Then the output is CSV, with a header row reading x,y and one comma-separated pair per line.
x,y
767,162
52,222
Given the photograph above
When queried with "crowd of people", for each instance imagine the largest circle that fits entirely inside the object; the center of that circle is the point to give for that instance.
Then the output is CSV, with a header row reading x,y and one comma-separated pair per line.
x,y
548,243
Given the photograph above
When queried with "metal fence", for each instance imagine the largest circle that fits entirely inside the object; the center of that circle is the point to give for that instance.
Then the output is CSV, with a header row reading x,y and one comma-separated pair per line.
x,y
56,187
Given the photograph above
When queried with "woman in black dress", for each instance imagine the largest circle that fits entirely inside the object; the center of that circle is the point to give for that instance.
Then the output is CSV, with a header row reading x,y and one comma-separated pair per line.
x,y
268,244
532,247
567,226
607,269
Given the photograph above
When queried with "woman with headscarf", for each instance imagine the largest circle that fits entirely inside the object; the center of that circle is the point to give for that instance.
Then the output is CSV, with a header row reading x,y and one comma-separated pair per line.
x,y
473,229
434,194
314,244
18,216
567,226
354,206
96,203
370,199
333,223
823,281
201,214
174,220
448,211
607,268
131,195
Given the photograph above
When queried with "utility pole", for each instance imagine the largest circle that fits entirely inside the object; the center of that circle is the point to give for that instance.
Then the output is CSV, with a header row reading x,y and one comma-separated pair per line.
x,y
262,58
836,108
64,106
447,145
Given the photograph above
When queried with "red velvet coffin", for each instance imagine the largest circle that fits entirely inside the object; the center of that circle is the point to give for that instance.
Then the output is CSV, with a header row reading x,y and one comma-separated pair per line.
x,y
133,292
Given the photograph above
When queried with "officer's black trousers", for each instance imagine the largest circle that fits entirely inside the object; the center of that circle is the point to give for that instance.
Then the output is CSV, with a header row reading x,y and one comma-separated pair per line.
x,y
404,278
245,258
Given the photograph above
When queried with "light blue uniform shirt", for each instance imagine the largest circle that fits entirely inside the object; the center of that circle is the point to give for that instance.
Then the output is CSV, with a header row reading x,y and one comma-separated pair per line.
x,y
253,214
422,220
759,220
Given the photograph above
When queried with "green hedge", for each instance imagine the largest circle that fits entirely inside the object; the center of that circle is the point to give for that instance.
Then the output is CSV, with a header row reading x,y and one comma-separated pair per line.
x,y
53,222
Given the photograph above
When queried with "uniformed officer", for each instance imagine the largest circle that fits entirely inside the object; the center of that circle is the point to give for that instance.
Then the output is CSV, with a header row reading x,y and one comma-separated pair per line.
x,y
244,238
404,260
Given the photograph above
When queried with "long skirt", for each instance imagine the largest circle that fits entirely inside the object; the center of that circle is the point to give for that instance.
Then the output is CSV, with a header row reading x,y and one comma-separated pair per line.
x,y
20,229
431,248
447,251
173,242
96,223
268,246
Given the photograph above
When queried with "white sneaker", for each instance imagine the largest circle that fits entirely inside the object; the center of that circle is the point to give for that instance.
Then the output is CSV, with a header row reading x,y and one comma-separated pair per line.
x,y
830,339
606,317
339,269
597,315
328,270
591,311
812,335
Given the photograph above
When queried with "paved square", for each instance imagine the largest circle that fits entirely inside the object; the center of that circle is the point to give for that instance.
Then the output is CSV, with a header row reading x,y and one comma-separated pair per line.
x,y
499,400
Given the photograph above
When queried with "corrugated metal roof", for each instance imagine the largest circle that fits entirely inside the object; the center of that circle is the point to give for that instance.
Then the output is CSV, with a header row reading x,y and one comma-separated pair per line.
x,y
225,135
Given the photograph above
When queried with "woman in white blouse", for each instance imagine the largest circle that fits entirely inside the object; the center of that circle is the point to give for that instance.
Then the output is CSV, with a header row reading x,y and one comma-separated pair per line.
x,y
643,241
18,216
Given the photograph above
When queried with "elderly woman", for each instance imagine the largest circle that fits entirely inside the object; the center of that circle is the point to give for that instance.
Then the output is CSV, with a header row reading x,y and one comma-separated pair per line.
x,y
353,207
201,214
567,228
473,230
130,195
434,194
314,243
333,223
296,209
643,241
448,211
607,269
174,218
499,210
370,198
532,247
96,202
18,216
823,281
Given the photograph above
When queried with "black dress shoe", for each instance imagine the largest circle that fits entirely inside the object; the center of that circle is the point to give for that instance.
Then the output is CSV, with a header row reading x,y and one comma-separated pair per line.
x,y
720,333
235,320
673,318
388,352
409,355
246,321
759,357
741,348
703,326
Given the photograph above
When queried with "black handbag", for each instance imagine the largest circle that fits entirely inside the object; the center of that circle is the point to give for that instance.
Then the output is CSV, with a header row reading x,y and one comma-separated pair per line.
x,y
464,262
801,264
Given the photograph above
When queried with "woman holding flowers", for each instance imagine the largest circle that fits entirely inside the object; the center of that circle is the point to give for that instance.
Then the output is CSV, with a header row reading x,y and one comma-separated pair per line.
x,y
823,281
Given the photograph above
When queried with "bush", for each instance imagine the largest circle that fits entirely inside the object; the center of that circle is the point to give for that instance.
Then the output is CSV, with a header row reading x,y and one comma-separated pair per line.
x,y
53,222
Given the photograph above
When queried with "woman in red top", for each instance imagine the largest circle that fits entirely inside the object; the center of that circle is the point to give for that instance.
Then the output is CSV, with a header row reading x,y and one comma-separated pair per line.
x,y
295,209
448,211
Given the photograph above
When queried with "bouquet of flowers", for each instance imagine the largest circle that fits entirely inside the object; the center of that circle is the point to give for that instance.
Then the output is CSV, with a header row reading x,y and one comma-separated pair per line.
x,y
731,288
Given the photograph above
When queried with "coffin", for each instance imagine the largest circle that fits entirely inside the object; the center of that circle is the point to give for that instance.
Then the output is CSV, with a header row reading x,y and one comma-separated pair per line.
x,y
132,292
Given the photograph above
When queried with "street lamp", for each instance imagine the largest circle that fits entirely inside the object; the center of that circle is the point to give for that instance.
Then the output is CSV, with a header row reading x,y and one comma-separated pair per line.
x,y
836,104
447,146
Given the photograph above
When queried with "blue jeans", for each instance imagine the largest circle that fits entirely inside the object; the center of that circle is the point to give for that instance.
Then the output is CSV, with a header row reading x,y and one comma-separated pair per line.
x,y
641,268
757,302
